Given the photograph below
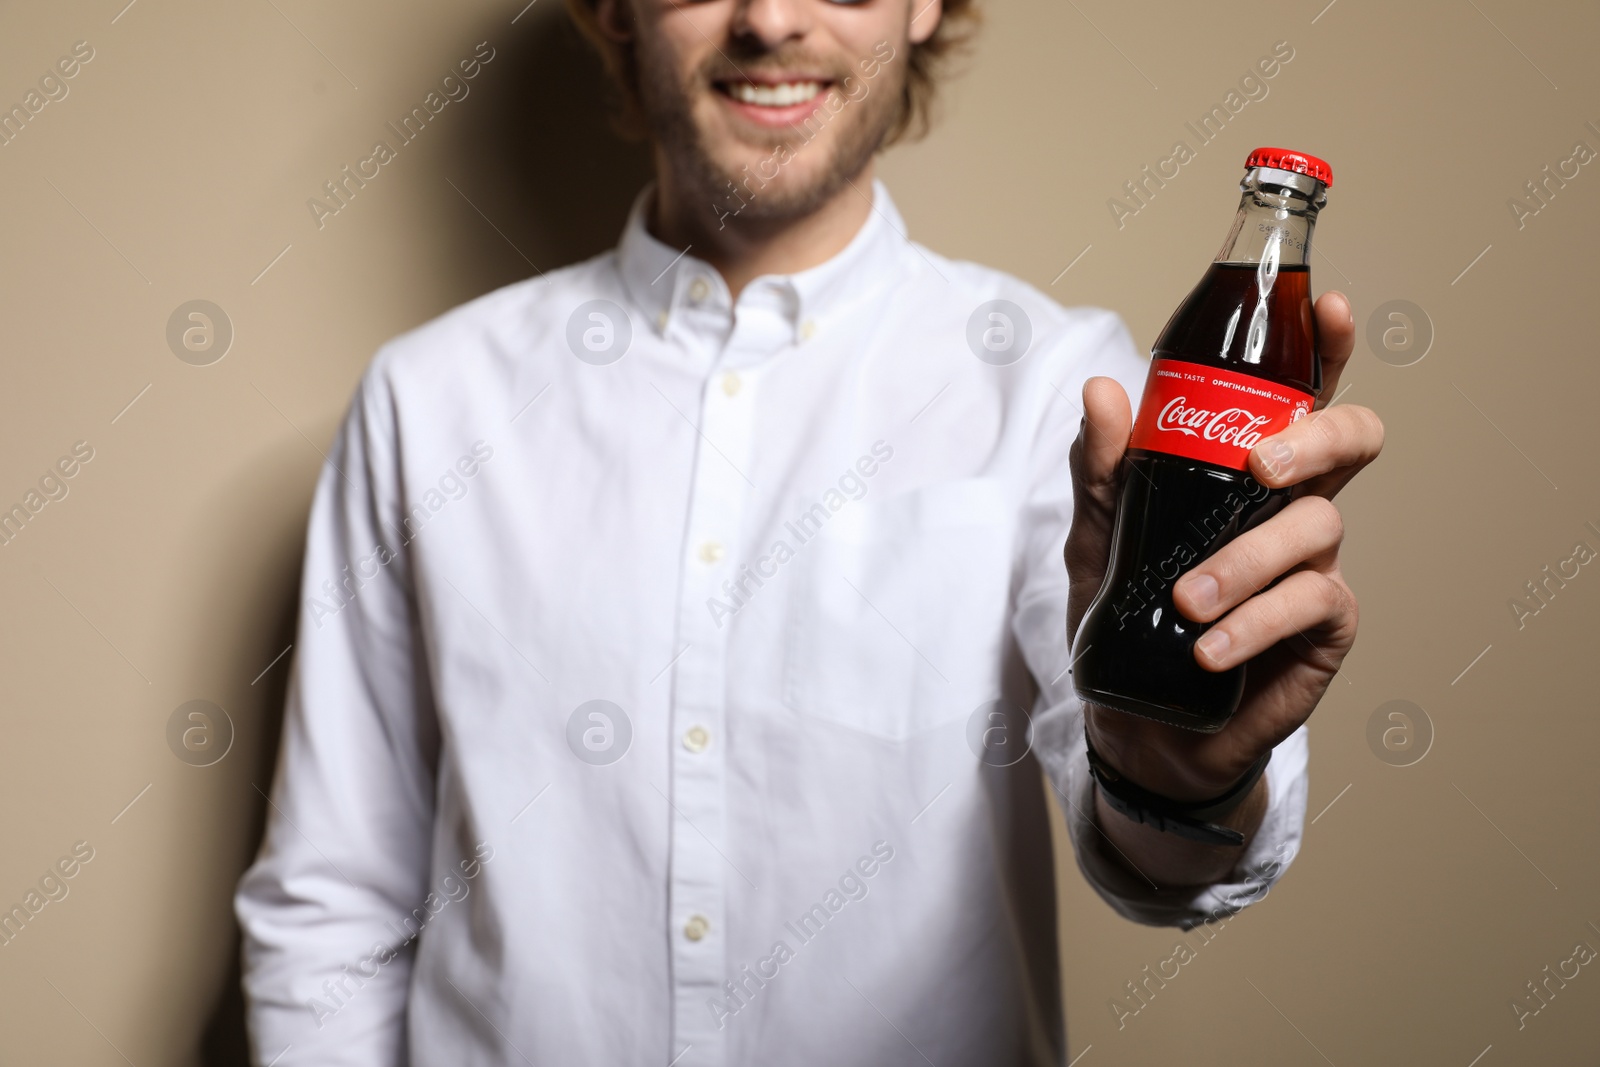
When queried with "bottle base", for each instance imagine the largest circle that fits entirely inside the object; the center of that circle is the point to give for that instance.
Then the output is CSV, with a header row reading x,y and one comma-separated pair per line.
x,y
1159,713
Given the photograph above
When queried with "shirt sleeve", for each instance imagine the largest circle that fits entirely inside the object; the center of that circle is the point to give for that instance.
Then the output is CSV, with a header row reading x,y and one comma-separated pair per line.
x,y
1103,346
327,907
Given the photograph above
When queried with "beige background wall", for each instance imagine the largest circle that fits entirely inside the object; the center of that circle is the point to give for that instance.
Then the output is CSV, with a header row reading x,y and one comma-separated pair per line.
x,y
178,167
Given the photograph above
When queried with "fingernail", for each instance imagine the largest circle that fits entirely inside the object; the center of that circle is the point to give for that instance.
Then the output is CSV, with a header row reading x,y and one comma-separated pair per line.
x,y
1202,590
1278,455
1215,645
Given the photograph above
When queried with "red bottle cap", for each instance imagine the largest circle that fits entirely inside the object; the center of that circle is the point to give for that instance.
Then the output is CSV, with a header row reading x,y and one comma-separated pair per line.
x,y
1295,162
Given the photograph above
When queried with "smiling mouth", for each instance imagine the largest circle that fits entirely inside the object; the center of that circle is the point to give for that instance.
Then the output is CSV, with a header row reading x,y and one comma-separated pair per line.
x,y
772,94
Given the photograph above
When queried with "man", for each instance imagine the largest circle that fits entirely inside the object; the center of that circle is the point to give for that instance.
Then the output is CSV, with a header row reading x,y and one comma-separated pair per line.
x,y
661,614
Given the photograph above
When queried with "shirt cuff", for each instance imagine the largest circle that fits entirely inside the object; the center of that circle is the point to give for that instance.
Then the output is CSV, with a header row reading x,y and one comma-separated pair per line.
x,y
1061,748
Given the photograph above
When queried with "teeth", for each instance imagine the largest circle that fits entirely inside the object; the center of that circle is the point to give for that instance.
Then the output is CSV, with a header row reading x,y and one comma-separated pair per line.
x,y
784,94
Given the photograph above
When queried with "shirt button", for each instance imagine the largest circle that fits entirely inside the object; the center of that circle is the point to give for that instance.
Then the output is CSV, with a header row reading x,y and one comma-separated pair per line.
x,y
697,927
699,289
808,329
731,383
696,738
711,551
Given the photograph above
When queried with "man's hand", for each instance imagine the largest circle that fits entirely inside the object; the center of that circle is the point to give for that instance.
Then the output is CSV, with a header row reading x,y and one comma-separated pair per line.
x,y
1295,633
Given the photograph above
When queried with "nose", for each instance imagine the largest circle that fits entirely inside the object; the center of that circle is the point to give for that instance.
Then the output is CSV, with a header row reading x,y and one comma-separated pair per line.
x,y
772,22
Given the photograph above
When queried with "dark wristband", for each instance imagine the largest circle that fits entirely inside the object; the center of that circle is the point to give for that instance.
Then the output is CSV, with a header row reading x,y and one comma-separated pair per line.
x,y
1188,819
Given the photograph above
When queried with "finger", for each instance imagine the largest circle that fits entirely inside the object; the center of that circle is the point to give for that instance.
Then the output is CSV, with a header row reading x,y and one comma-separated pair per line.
x,y
1306,601
1308,531
1343,439
1336,339
1097,457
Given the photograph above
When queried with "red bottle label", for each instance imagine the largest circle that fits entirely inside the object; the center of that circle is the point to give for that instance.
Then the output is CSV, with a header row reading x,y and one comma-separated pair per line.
x,y
1212,415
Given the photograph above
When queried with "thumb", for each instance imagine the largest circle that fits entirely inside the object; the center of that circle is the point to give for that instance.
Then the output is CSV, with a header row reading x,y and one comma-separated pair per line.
x,y
1096,484
1097,457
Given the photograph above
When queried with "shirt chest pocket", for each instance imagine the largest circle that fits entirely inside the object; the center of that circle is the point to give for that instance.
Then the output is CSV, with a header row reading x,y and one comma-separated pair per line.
x,y
898,618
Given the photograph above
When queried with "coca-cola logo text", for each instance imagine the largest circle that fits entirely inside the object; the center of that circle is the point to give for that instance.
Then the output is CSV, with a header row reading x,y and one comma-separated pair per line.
x,y
1231,426
1195,411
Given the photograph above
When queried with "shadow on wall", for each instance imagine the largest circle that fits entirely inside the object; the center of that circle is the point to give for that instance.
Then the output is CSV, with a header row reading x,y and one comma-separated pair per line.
x,y
539,159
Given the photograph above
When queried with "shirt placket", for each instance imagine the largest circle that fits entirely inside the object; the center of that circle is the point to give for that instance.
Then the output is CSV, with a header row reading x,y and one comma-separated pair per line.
x,y
700,871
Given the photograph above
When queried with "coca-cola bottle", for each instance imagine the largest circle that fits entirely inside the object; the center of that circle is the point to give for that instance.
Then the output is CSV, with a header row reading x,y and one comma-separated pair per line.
x,y
1236,363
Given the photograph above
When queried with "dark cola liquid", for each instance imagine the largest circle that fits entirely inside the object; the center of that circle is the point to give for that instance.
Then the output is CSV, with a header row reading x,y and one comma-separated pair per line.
x,y
1134,651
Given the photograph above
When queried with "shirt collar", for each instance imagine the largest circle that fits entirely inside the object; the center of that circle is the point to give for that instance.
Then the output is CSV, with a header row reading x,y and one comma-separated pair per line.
x,y
662,279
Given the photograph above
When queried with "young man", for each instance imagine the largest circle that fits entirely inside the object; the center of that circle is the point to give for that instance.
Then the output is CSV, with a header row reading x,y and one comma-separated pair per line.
x,y
663,613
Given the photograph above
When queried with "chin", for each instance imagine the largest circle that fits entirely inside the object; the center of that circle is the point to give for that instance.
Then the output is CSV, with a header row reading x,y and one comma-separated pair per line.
x,y
782,166
774,173
769,192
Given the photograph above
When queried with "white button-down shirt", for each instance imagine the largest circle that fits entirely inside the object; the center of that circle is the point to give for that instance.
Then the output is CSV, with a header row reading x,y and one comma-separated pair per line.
x,y
651,703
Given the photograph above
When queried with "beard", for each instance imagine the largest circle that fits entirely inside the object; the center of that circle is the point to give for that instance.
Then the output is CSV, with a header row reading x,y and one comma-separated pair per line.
x,y
843,137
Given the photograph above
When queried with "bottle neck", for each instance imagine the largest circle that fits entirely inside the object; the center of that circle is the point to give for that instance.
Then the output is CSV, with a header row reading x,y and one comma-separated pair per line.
x,y
1277,212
